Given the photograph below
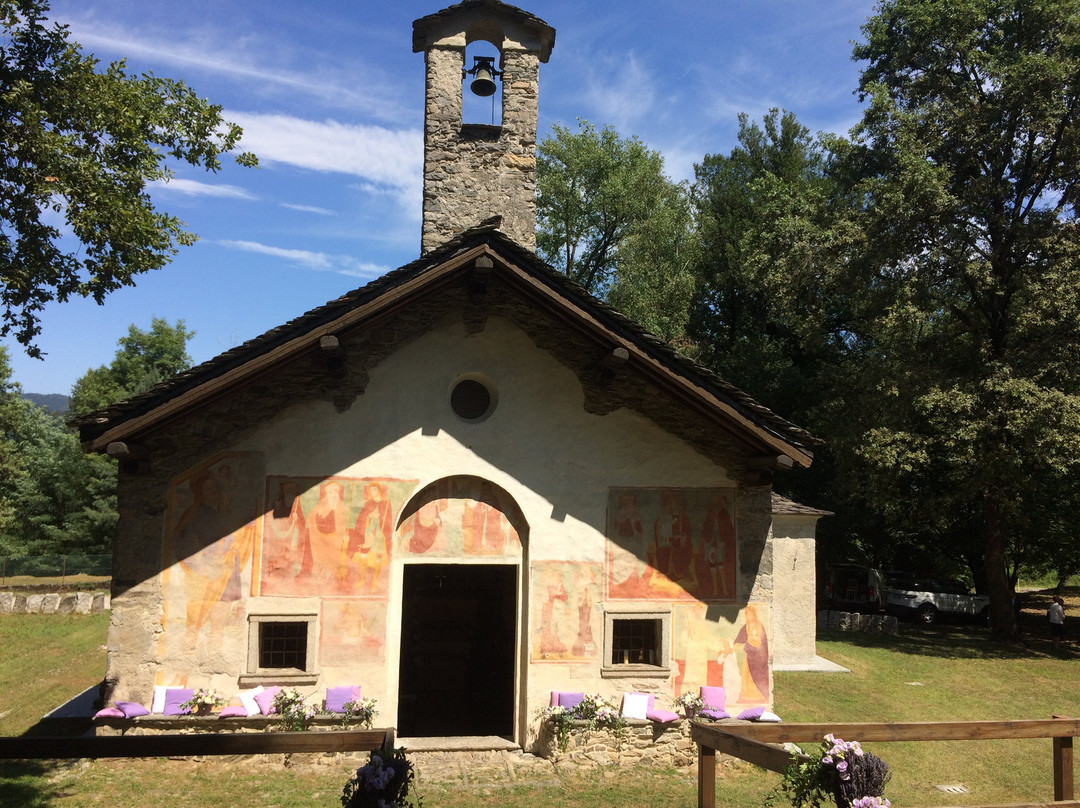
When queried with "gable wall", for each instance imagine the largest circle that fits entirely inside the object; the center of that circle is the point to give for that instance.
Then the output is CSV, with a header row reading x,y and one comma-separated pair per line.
x,y
558,463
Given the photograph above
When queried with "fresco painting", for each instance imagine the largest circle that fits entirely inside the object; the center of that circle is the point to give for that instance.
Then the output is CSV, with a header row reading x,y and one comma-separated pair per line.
x,y
457,517
671,544
565,618
723,647
330,536
353,632
212,522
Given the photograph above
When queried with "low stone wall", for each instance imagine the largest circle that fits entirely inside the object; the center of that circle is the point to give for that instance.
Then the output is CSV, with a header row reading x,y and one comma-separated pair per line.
x,y
853,621
642,742
53,603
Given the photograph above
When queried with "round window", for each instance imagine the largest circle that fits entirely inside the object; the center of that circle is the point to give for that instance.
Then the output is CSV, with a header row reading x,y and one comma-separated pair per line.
x,y
471,399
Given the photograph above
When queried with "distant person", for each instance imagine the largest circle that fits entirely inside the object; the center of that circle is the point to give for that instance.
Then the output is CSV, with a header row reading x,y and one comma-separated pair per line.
x,y
1056,613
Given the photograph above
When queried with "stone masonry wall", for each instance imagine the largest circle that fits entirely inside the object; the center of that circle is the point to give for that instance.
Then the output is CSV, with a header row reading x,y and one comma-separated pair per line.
x,y
53,603
642,742
473,172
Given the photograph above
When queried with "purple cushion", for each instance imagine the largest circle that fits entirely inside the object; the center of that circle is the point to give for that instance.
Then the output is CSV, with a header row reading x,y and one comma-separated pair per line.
x,y
570,700
109,712
711,714
338,697
662,716
233,710
265,700
174,697
751,713
130,709
713,697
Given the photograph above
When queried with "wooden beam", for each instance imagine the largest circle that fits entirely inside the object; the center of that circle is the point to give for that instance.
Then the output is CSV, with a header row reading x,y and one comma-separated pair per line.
x,y
896,731
1063,769
119,450
706,781
201,743
767,756
771,463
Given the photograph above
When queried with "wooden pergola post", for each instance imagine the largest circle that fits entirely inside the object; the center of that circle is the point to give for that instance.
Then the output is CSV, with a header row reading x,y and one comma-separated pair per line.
x,y
1063,769
706,781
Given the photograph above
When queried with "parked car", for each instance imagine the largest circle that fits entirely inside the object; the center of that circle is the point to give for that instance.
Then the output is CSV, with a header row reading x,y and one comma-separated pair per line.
x,y
855,588
927,599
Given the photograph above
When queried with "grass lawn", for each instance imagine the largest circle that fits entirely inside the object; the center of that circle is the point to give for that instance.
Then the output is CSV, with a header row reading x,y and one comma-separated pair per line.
x,y
944,672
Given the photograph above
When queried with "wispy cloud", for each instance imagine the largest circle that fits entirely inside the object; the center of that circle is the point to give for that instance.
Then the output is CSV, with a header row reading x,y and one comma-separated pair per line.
x,y
195,188
309,259
245,60
309,209
384,157
621,89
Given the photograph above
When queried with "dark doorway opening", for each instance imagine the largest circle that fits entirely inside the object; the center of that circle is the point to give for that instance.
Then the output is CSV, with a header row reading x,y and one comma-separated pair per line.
x,y
457,650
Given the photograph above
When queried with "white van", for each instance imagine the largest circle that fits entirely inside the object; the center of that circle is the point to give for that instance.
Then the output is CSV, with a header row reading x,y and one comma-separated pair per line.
x,y
855,588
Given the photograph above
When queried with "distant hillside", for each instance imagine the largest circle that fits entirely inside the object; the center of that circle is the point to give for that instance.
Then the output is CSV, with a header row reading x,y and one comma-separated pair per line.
x,y
53,402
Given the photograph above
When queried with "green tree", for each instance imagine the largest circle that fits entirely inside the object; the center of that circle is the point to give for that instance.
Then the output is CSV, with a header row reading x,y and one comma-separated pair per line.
x,y
772,308
53,498
81,143
969,148
143,359
595,192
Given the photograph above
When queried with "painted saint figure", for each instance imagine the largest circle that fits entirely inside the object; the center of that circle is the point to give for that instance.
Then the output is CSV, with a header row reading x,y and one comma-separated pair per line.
x,y
287,545
672,551
211,556
550,623
717,558
371,537
328,534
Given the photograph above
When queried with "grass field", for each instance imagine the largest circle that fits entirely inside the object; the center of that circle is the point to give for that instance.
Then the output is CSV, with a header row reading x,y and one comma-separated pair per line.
x,y
944,672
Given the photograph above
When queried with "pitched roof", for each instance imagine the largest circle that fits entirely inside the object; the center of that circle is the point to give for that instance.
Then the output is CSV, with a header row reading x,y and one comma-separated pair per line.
x,y
423,27
701,388
789,507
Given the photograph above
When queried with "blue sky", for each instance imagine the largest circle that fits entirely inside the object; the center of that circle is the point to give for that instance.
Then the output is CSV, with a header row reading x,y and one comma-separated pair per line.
x,y
330,96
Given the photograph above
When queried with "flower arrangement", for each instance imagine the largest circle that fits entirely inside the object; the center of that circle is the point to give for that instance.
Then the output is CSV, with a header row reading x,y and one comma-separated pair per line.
x,y
383,782
839,770
202,701
362,711
295,714
690,704
593,710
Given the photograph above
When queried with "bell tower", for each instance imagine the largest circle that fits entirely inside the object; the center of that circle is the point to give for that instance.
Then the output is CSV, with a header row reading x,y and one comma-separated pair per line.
x,y
475,171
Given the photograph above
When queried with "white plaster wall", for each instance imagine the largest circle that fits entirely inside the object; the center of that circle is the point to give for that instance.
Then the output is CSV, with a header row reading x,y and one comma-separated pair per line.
x,y
794,608
539,444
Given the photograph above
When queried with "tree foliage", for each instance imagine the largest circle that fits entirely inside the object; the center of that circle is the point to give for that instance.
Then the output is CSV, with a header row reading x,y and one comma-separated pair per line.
x,y
969,148
80,144
143,359
53,498
600,199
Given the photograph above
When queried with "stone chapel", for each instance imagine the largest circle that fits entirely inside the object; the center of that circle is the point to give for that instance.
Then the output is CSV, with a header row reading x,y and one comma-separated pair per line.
x,y
463,486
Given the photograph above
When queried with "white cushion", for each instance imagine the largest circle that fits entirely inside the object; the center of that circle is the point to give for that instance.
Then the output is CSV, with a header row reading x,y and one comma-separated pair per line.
x,y
770,718
158,705
247,698
635,705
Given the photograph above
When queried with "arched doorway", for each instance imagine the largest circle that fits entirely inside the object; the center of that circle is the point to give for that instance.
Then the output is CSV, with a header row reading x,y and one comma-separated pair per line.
x,y
463,541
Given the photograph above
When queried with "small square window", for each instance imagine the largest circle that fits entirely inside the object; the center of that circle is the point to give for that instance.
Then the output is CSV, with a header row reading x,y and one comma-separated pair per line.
x,y
281,650
283,645
636,644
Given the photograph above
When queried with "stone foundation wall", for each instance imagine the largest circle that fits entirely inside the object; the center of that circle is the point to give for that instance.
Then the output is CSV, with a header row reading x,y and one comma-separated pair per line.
x,y
54,603
642,742
853,621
